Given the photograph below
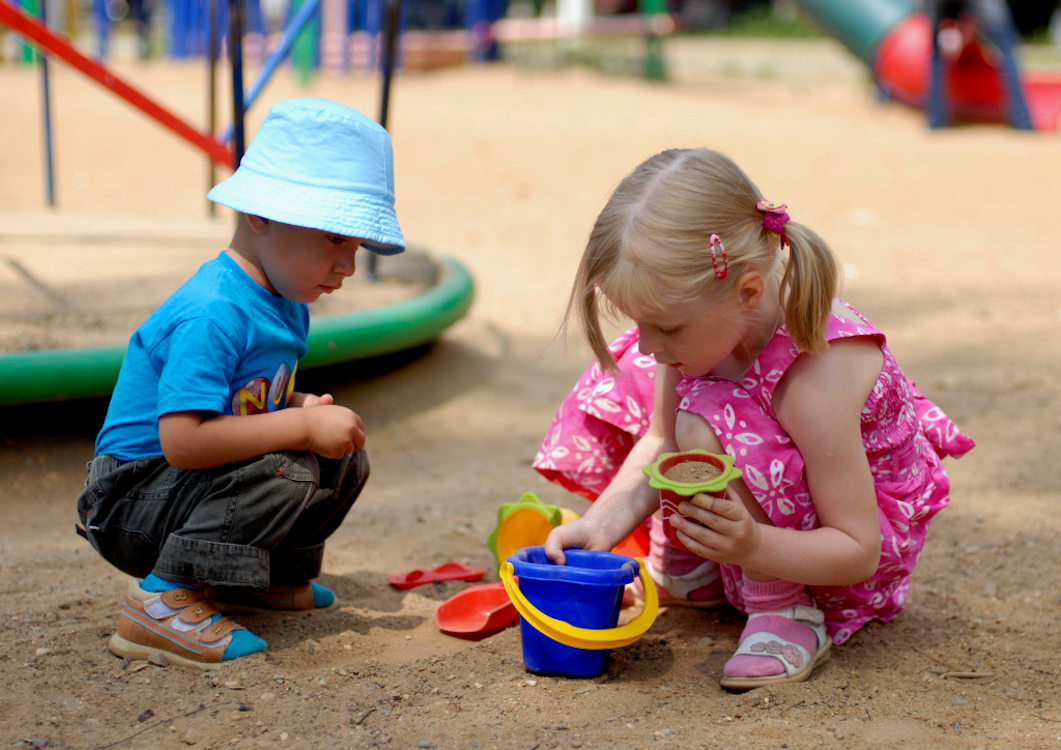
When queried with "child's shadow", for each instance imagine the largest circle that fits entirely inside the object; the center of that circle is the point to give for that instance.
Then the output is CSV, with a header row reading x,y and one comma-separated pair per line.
x,y
692,641
364,602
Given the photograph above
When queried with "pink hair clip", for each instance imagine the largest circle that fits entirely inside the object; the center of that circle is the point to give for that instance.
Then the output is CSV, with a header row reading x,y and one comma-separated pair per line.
x,y
712,243
774,218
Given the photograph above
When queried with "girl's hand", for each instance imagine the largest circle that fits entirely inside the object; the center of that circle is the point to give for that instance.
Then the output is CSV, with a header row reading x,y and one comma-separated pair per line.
x,y
579,534
334,431
720,529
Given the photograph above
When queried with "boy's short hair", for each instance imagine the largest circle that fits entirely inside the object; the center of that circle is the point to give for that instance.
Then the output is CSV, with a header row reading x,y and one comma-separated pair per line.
x,y
318,164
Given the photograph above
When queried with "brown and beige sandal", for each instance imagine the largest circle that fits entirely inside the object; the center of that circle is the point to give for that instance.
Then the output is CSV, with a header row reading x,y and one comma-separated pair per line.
x,y
172,627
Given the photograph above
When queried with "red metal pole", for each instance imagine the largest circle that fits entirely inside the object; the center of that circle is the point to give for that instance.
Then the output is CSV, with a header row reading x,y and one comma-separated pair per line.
x,y
35,31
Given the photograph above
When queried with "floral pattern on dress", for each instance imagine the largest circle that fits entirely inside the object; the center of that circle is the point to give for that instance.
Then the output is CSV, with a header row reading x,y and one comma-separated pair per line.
x,y
599,421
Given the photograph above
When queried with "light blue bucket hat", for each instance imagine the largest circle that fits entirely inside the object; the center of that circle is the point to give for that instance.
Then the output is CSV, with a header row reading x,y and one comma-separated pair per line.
x,y
318,164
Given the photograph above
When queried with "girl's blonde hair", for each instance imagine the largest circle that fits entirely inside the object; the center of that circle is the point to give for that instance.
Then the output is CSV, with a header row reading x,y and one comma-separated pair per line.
x,y
648,250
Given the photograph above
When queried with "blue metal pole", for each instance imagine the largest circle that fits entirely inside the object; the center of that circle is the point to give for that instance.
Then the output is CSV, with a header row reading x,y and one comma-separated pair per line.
x,y
103,27
298,21
235,53
392,12
212,41
46,112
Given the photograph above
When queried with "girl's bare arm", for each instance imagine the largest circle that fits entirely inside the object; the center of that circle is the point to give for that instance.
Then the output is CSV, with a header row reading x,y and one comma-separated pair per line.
x,y
627,500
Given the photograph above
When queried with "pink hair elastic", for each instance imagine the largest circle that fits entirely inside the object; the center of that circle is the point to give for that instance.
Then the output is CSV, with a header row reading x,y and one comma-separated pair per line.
x,y
714,242
774,218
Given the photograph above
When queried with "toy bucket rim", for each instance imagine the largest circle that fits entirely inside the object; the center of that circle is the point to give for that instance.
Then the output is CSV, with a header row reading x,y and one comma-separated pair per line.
x,y
624,571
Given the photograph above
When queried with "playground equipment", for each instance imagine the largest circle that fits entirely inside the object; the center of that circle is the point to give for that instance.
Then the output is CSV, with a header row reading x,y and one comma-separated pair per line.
x,y
62,374
39,34
894,39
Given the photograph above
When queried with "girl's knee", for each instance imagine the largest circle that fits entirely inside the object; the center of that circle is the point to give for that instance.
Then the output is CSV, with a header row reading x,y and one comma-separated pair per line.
x,y
693,431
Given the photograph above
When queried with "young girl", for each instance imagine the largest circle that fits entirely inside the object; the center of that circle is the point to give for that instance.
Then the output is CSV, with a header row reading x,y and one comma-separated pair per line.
x,y
840,453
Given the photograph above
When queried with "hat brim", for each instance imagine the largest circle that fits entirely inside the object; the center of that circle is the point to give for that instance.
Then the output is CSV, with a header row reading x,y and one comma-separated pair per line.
x,y
364,215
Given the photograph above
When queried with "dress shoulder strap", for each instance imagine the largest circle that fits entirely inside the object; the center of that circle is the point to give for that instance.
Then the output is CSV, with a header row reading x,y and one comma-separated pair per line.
x,y
780,352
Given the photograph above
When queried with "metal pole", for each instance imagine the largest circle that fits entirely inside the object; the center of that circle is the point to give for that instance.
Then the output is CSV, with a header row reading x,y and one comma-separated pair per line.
x,y
392,11
235,52
305,14
211,106
46,113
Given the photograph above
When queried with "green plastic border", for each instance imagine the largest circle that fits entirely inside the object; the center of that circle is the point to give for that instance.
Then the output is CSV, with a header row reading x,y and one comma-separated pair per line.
x,y
63,374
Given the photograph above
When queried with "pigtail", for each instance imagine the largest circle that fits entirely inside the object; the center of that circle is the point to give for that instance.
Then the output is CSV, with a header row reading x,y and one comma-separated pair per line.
x,y
588,314
808,287
584,304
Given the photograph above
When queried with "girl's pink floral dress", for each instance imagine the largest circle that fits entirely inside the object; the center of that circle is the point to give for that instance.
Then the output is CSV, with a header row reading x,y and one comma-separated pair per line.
x,y
905,436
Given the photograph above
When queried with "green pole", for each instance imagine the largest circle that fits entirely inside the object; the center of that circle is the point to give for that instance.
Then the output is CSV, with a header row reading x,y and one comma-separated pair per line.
x,y
654,69
859,25
304,52
28,53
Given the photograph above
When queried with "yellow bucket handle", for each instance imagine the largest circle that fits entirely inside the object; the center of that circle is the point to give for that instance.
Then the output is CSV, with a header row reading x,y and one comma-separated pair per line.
x,y
586,638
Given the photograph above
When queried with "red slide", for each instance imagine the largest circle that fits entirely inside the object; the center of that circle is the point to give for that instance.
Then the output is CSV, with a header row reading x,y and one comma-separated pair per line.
x,y
902,65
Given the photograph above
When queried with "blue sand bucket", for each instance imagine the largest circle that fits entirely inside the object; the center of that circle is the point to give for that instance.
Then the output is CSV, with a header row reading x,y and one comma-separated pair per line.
x,y
568,613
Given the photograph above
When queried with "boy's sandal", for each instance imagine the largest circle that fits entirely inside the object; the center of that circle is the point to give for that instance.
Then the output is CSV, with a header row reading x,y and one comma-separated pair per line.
x,y
700,588
797,661
278,597
178,627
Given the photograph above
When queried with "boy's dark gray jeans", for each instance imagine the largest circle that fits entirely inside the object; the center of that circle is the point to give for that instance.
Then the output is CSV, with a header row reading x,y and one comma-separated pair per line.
x,y
250,524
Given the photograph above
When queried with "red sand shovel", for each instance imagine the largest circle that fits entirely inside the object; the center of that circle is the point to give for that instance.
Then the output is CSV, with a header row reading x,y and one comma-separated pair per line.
x,y
477,611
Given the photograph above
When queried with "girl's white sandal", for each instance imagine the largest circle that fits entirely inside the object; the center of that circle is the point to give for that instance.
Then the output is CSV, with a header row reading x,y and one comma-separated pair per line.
x,y
797,661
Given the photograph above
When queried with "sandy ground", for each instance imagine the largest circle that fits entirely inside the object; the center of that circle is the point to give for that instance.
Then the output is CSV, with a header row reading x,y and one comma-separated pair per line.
x,y
949,241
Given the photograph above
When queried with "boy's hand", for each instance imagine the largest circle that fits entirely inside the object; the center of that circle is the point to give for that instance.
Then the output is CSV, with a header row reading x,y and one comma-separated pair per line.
x,y
334,431
305,400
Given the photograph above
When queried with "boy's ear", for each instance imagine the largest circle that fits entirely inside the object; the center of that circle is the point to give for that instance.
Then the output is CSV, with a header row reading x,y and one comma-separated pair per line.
x,y
257,223
750,289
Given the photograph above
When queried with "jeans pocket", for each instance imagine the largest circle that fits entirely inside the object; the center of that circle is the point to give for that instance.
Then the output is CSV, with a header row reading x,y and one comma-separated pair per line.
x,y
296,466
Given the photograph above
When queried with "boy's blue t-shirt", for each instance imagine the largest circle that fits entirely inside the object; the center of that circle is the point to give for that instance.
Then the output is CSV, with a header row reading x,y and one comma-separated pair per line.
x,y
221,344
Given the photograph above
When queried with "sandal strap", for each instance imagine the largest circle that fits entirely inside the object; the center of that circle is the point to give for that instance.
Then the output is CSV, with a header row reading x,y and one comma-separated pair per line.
x,y
793,657
192,611
809,616
181,597
219,629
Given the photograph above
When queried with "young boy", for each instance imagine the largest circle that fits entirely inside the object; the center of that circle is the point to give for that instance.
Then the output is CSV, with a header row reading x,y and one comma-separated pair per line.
x,y
214,481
